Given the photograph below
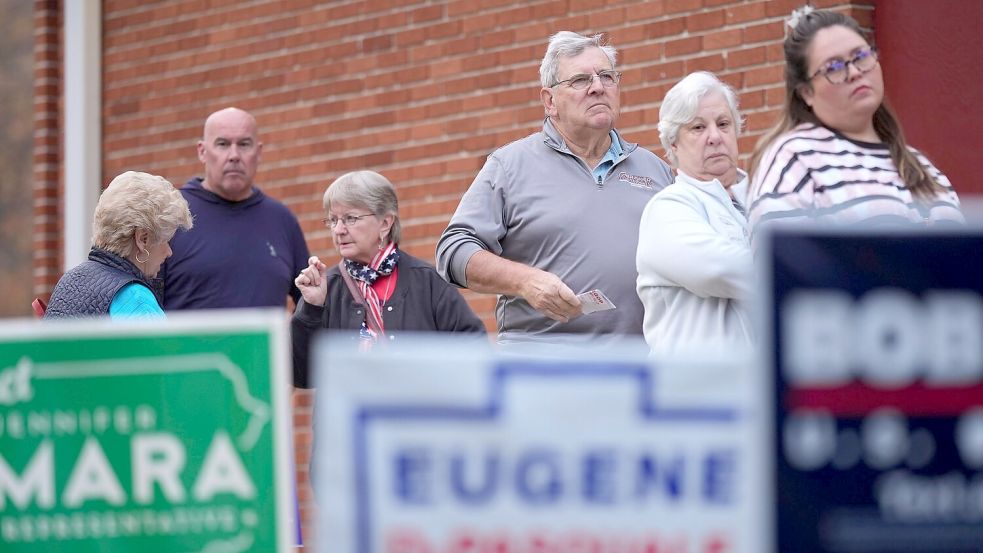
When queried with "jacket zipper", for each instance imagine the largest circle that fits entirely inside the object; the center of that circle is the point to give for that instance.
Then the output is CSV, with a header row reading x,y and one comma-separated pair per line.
x,y
600,179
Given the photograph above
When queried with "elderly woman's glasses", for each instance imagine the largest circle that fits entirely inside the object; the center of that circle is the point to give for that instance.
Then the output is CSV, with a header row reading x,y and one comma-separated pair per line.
x,y
582,81
349,220
836,71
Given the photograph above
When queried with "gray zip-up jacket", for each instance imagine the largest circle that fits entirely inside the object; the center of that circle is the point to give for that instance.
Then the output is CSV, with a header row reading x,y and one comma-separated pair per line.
x,y
536,203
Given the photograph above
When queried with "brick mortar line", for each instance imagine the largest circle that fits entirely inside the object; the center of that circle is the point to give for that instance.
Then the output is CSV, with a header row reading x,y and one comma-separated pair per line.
x,y
137,28
204,68
191,16
339,23
266,130
327,119
124,153
443,79
403,184
376,34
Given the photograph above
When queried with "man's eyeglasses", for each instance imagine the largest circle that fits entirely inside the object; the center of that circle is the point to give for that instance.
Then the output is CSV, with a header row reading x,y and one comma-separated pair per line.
x,y
349,220
582,81
836,71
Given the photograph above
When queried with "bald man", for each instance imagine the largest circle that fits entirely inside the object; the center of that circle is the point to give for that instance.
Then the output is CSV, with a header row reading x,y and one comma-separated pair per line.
x,y
245,248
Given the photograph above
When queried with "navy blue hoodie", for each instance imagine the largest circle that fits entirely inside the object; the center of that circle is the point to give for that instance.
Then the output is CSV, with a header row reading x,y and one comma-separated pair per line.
x,y
239,254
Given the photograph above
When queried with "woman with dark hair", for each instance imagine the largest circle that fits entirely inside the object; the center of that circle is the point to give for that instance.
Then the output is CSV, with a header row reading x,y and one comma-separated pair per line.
x,y
838,154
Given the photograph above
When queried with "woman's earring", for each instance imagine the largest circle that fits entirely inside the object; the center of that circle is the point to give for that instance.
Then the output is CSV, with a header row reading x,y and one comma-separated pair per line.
x,y
143,260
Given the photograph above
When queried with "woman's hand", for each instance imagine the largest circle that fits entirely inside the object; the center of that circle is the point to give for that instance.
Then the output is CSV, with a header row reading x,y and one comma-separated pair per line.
x,y
312,282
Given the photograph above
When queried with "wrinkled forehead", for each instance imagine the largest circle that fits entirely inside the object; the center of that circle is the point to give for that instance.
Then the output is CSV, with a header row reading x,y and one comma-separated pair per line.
x,y
589,61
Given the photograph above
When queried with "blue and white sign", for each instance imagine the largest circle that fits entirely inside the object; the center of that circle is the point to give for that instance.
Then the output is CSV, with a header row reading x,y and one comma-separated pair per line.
x,y
441,446
878,360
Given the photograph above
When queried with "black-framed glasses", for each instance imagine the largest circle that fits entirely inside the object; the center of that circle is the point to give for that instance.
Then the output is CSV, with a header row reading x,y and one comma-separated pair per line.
x,y
349,220
581,81
836,71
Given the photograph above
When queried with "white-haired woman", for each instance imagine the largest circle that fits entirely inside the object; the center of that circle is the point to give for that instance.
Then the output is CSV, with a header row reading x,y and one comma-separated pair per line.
x,y
135,218
694,259
387,290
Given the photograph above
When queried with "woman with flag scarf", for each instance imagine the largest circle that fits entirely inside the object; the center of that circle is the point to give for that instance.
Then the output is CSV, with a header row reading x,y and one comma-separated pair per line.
x,y
376,290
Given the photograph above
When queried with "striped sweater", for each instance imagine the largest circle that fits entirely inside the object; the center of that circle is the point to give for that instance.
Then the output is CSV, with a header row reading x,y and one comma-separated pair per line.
x,y
815,174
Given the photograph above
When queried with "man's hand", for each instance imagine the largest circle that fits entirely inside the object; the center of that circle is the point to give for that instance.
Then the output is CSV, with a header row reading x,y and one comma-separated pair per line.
x,y
312,283
550,296
545,292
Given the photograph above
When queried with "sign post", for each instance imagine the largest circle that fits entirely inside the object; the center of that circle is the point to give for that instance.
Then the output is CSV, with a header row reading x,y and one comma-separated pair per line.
x,y
153,436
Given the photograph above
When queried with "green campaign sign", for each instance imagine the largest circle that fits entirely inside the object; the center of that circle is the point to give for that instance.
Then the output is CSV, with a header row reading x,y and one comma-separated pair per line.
x,y
153,436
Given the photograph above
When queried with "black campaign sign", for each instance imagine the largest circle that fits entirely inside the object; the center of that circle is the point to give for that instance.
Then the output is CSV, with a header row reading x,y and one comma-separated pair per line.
x,y
878,360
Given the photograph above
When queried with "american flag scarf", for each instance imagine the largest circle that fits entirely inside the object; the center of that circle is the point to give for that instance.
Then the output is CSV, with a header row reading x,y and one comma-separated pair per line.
x,y
384,263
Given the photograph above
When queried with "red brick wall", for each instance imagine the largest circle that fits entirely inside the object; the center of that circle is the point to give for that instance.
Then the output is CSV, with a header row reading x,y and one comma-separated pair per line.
x,y
47,144
419,91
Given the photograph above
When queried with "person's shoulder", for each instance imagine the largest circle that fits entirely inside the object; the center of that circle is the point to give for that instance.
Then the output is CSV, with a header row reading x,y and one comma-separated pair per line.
x,y
133,300
519,146
640,155
136,291
643,154
922,158
78,272
193,191
677,193
644,169
273,205
925,162
676,189
192,184
642,151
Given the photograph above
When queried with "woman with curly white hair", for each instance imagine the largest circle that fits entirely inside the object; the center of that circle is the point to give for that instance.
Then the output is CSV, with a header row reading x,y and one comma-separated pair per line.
x,y
694,258
135,218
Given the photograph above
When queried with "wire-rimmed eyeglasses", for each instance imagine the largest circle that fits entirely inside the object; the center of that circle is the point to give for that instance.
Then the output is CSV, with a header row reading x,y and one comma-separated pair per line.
x,y
348,220
583,80
836,71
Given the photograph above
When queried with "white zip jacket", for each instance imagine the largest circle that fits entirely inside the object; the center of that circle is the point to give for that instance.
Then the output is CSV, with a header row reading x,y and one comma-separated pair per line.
x,y
695,267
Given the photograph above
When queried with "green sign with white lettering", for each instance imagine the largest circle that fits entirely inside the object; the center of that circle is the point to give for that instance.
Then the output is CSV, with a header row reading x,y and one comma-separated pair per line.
x,y
151,436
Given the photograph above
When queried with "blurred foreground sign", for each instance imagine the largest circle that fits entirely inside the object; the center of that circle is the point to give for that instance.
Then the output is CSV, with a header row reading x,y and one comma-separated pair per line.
x,y
879,364
448,446
151,436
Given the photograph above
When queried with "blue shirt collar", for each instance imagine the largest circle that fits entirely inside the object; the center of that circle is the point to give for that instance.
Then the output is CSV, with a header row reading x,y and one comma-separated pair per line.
x,y
612,155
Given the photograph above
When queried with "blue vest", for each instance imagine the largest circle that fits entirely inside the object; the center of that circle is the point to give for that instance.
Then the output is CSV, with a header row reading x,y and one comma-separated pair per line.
x,y
89,288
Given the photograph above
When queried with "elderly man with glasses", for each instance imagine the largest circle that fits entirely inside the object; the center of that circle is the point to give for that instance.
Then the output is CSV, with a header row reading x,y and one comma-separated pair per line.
x,y
550,223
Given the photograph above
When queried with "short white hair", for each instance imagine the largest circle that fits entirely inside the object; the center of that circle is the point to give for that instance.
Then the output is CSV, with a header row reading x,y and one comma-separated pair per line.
x,y
681,102
567,44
